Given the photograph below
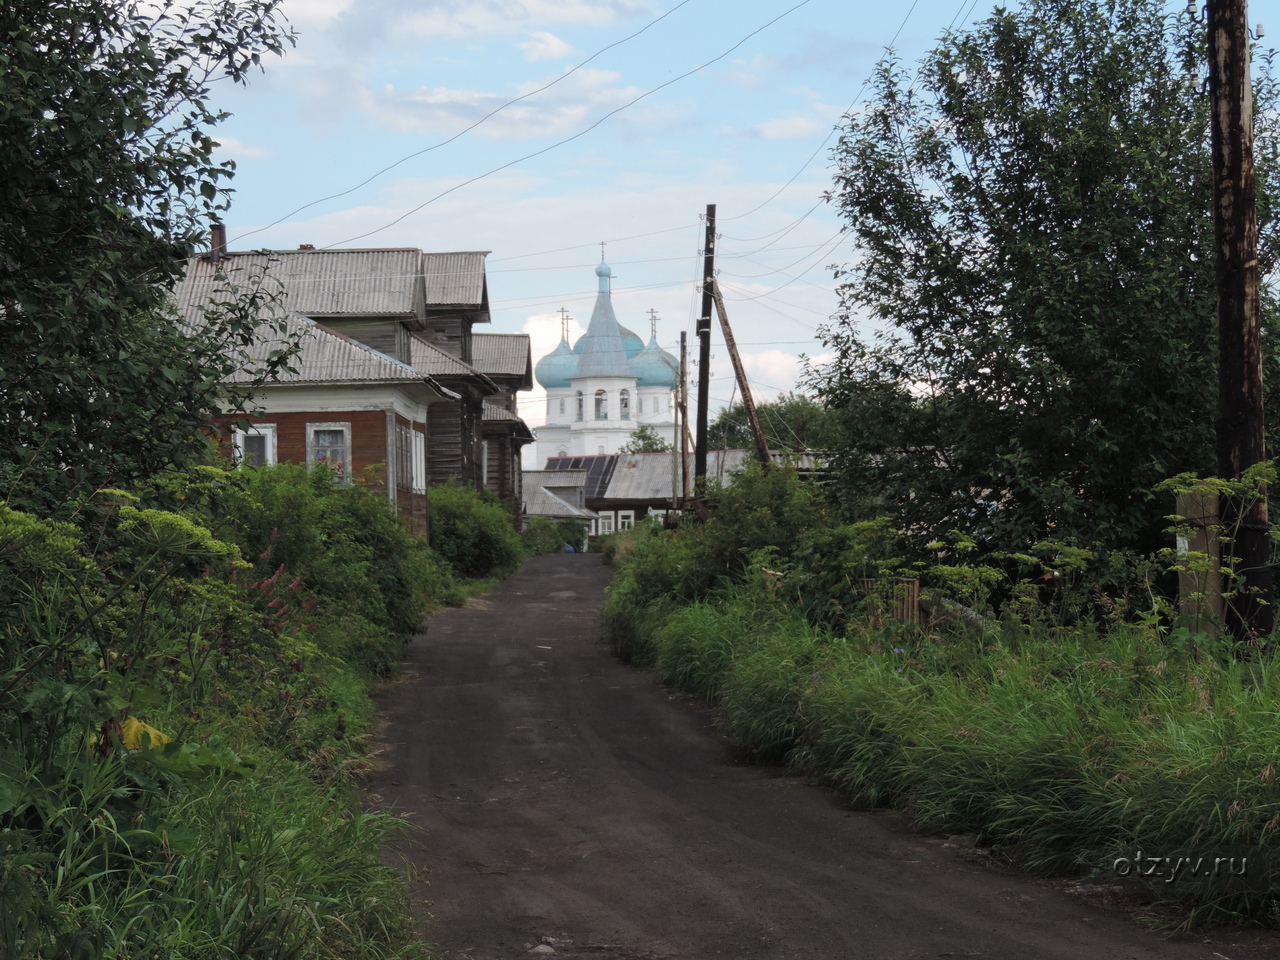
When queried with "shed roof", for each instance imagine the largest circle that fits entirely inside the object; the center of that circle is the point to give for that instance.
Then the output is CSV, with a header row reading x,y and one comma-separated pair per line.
x,y
325,357
314,283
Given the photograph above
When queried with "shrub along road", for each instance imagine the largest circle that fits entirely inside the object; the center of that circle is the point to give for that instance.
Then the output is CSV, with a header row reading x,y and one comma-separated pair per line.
x,y
570,803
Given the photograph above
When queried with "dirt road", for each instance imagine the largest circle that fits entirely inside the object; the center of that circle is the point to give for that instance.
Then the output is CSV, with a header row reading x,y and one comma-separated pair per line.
x,y
569,803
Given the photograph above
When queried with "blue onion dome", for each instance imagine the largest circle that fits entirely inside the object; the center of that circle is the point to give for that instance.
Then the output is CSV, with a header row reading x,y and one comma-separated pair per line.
x,y
631,342
654,367
602,350
554,370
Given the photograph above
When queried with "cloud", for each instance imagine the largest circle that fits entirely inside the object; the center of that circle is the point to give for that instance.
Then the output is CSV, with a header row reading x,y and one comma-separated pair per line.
x,y
770,372
237,149
560,110
747,73
309,12
785,128
544,46
466,19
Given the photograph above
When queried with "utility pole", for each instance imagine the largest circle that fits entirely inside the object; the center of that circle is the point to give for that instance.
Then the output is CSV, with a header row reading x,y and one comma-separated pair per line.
x,y
1240,436
704,350
748,402
682,398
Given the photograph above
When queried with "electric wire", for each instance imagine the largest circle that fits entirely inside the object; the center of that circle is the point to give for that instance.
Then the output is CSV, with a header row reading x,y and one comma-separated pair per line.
x,y
580,133
466,130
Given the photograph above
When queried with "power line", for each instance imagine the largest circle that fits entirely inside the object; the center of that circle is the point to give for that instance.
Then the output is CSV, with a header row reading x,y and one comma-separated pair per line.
x,y
580,133
465,130
827,139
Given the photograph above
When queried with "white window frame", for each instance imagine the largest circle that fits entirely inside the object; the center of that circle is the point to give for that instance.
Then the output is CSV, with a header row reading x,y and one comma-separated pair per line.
x,y
606,522
419,461
267,430
484,463
345,426
626,519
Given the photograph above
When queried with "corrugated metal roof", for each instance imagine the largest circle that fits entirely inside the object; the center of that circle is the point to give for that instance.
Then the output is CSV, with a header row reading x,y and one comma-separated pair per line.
x,y
647,476
314,283
502,354
554,478
430,359
541,502
493,412
325,357
455,279
599,469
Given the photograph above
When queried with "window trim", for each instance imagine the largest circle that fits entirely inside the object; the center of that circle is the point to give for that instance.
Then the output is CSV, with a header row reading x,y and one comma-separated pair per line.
x,y
626,519
267,430
344,472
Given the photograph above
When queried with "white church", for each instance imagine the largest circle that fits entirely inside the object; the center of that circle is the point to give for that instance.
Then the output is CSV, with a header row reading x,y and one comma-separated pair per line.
x,y
609,383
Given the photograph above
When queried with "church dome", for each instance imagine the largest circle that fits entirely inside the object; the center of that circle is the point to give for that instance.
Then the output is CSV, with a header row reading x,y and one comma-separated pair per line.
x,y
602,350
654,367
554,370
631,342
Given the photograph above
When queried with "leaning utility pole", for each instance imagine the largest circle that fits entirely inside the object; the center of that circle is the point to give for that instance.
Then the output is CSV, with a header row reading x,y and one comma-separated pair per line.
x,y
704,351
748,402
682,398
1240,442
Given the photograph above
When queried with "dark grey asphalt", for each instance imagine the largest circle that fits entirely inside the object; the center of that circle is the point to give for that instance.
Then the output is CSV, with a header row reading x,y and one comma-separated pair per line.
x,y
568,801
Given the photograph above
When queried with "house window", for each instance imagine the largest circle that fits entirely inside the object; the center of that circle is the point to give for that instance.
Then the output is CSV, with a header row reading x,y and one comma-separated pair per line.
x,y
579,404
419,462
602,405
484,463
606,522
256,446
330,443
404,456
624,404
626,519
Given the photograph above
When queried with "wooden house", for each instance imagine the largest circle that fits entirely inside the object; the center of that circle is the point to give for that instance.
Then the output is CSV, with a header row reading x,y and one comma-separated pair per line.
x,y
397,314
507,360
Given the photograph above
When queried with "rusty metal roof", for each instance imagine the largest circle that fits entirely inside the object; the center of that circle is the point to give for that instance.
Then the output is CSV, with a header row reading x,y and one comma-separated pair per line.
x,y
503,355
456,279
314,283
326,357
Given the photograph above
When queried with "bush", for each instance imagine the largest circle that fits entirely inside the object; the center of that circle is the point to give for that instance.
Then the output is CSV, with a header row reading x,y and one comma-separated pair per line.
x,y
473,532
178,725
541,536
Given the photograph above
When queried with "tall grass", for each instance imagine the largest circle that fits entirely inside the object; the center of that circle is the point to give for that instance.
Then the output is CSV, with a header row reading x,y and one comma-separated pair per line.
x,y
1061,747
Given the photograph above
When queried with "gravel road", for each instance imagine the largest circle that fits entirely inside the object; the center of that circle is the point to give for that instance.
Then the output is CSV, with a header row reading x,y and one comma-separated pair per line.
x,y
571,806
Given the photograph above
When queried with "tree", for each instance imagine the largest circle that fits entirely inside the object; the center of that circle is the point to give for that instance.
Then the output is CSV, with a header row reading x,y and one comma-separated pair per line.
x,y
645,439
792,422
109,184
1033,223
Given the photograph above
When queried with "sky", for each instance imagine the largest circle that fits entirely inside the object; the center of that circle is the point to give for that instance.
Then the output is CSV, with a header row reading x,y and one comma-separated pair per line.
x,y
377,84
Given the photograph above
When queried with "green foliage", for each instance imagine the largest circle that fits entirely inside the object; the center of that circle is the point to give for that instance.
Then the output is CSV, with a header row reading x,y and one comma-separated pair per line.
x,y
1032,212
541,536
645,439
792,422
473,532
178,725
110,183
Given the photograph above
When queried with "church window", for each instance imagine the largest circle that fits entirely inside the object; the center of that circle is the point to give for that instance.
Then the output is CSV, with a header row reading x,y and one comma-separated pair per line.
x,y
562,406
602,405
579,404
624,404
